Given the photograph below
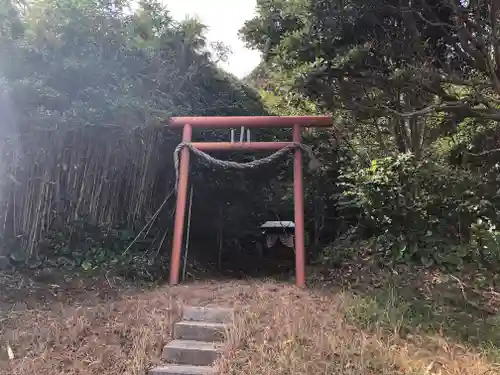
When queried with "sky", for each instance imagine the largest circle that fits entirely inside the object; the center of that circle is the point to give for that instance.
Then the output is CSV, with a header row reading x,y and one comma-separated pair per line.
x,y
223,18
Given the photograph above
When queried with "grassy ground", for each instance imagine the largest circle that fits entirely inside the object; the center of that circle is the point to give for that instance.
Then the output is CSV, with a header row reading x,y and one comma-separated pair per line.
x,y
360,321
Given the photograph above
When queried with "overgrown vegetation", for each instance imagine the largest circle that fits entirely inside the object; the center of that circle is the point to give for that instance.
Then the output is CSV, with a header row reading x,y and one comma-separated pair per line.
x,y
86,90
84,142
413,89
402,216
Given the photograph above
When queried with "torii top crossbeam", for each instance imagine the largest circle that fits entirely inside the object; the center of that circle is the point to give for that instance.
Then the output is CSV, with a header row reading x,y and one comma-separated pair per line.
x,y
252,121
294,122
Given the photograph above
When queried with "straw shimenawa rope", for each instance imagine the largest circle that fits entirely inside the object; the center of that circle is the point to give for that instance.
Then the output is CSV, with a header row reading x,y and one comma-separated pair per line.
x,y
226,164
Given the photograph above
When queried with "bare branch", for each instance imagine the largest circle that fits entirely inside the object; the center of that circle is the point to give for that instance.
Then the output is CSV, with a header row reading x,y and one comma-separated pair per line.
x,y
420,112
484,152
435,23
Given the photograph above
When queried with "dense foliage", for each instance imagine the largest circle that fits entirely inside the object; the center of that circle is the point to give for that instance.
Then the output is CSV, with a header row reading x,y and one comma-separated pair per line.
x,y
85,89
414,90
411,162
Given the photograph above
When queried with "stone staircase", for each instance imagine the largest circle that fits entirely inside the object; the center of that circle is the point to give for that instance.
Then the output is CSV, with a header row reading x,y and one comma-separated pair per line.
x,y
198,342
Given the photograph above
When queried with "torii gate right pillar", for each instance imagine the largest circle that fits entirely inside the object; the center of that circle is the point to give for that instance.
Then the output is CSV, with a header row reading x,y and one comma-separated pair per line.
x,y
294,122
298,210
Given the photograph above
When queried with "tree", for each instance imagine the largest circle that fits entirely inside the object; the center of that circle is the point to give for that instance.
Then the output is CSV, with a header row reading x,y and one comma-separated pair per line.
x,y
410,70
11,26
90,87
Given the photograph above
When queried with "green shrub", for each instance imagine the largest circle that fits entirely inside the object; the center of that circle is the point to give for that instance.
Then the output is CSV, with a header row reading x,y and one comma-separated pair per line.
x,y
91,248
426,210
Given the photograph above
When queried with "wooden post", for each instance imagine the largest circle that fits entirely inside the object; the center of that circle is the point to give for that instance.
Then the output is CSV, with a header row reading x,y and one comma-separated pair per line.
x,y
180,210
298,200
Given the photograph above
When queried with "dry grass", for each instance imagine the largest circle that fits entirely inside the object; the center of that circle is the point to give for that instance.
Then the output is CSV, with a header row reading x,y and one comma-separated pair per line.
x,y
287,331
104,329
88,331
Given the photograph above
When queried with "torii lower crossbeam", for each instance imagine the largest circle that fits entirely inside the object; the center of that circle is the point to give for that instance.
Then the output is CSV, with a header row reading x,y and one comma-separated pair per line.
x,y
294,122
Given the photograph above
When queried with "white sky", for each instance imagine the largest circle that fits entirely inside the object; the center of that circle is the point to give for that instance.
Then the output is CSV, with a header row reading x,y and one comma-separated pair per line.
x,y
223,18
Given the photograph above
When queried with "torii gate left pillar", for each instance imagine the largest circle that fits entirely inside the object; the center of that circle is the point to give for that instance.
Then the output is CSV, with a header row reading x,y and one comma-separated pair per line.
x,y
294,122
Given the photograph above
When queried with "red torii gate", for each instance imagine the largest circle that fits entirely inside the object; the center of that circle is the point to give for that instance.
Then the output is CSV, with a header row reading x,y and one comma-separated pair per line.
x,y
294,122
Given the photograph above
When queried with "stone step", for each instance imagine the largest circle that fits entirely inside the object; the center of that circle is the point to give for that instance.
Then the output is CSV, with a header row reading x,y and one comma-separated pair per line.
x,y
182,370
188,352
200,331
207,314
